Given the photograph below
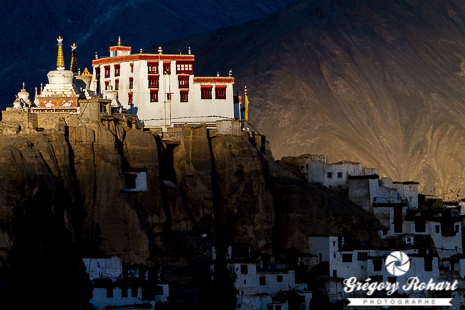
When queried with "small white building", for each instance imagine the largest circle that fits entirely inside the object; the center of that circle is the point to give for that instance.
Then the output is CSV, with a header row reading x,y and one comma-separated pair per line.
x,y
161,89
116,288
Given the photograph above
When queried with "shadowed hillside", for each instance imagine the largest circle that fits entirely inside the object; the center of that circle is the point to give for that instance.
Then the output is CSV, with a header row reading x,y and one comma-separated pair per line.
x,y
380,82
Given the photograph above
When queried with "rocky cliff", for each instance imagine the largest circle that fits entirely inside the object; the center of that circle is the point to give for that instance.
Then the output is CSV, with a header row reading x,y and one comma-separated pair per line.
x,y
203,183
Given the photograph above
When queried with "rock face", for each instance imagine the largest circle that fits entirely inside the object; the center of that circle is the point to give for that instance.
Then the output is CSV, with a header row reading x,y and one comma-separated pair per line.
x,y
377,82
209,182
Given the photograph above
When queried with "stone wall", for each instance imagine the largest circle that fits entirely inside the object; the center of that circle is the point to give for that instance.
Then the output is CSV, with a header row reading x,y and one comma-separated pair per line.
x,y
49,120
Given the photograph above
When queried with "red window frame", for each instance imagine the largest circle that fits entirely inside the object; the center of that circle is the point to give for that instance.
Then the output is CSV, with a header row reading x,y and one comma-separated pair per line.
x,y
220,92
184,67
117,70
183,81
116,84
107,71
398,212
206,92
97,72
152,67
420,226
184,95
132,67
106,84
130,98
154,95
131,83
167,67
153,81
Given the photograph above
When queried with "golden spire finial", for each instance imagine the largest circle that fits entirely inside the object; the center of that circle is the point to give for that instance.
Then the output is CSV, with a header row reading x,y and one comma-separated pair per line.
x,y
119,41
74,65
60,60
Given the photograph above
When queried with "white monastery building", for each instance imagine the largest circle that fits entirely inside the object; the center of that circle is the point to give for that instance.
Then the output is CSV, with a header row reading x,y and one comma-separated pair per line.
x,y
161,89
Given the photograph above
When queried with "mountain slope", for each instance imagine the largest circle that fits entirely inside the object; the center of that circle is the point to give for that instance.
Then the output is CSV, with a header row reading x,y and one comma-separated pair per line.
x,y
29,30
371,81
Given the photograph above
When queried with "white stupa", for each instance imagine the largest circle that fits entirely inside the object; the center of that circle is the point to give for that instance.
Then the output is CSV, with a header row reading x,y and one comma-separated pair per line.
x,y
60,90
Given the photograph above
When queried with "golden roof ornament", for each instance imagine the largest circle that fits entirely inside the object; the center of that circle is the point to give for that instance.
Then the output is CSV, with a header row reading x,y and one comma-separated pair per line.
x,y
86,72
60,59
74,65
119,41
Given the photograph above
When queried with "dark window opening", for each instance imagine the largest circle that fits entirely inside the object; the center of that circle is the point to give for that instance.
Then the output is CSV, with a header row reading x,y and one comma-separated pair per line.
x,y
124,292
206,93
109,292
131,83
392,280
377,265
398,227
107,71
397,212
279,279
166,68
153,96
153,81
220,92
244,269
130,181
116,84
152,67
134,291
262,281
346,258
184,97
329,175
362,256
420,226
339,175
159,290
428,264
116,70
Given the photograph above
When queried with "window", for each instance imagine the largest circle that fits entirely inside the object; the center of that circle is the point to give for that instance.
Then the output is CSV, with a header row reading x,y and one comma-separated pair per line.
x,y
106,84
362,256
166,67
168,96
279,279
132,68
152,67
134,291
129,181
244,269
183,67
398,212
377,265
220,92
269,307
131,83
398,227
184,97
124,292
428,264
183,82
329,175
153,81
109,292
392,280
129,98
206,92
159,290
107,71
457,228
97,72
334,273
339,175
116,84
346,258
437,229
262,281
420,226
278,307
117,70
153,96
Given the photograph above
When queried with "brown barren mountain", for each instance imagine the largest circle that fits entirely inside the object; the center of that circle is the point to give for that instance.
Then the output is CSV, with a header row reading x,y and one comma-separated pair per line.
x,y
378,82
